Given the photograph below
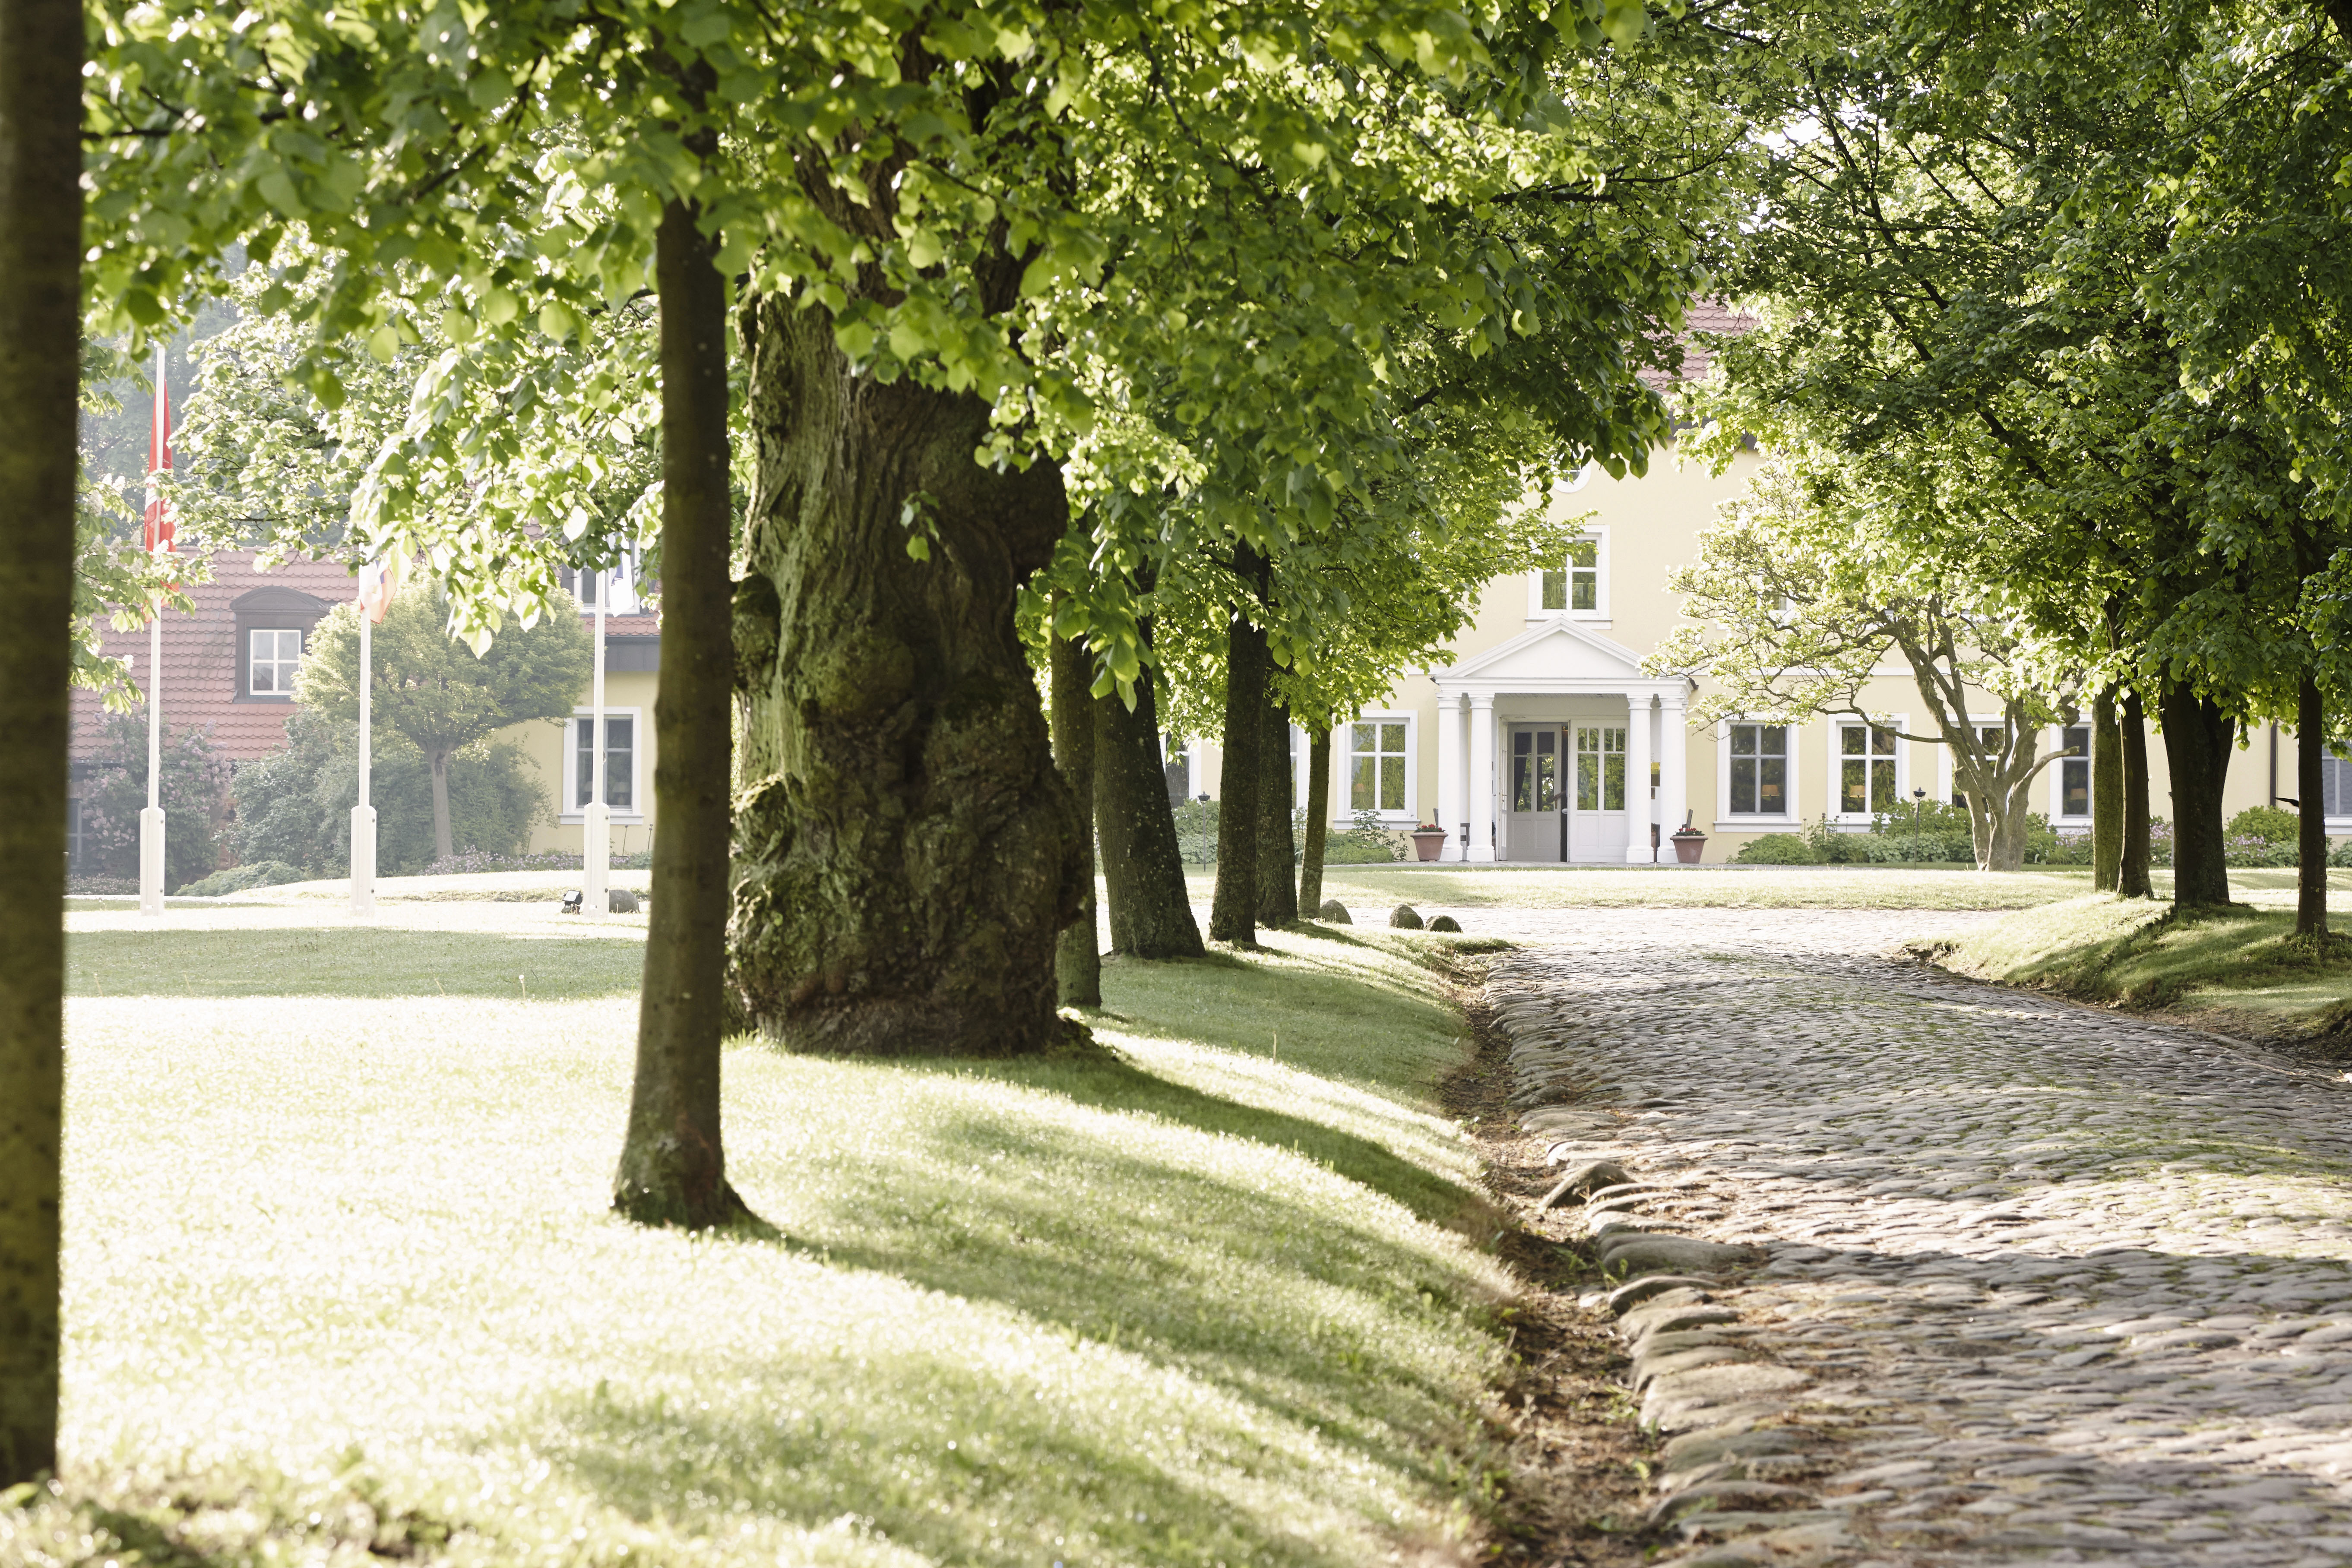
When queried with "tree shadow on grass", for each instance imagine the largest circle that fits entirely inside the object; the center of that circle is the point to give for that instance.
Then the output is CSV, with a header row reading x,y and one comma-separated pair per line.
x,y
958,1463
354,961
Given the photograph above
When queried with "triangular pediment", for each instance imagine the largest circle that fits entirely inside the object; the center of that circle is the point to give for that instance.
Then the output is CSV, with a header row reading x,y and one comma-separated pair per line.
x,y
1557,650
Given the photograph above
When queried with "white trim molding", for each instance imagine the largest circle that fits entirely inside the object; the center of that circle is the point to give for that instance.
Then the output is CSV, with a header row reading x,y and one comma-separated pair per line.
x,y
572,814
1726,821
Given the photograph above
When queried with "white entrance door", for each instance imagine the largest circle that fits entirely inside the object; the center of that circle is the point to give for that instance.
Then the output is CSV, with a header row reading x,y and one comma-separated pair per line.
x,y
1598,826
1533,814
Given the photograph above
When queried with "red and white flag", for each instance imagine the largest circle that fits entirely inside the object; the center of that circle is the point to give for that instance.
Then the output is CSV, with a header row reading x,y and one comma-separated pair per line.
x,y
159,530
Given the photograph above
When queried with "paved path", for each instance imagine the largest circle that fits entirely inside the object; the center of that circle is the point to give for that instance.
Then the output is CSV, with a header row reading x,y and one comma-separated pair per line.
x,y
2029,1283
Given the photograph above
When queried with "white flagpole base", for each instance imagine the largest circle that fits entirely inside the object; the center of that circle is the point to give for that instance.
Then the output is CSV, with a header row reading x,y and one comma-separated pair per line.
x,y
597,860
363,860
151,860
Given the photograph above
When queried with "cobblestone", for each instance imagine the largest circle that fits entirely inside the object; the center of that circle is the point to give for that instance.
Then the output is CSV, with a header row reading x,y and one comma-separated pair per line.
x,y
2022,1281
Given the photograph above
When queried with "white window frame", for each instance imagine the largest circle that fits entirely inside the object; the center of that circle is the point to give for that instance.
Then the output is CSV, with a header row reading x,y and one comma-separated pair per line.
x,y
1343,759
1598,616
1729,822
635,812
2340,821
1837,728
1946,775
302,642
2055,789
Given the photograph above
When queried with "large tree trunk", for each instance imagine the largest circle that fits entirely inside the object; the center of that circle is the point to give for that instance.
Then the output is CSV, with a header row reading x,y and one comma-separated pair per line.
x,y
41,319
1277,848
1319,824
1077,957
2310,811
2134,876
673,1168
2106,793
2196,741
436,766
1143,866
905,855
1232,912
2004,847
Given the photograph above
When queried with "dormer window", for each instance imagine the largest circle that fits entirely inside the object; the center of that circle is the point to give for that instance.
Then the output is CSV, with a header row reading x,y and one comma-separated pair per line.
x,y
272,656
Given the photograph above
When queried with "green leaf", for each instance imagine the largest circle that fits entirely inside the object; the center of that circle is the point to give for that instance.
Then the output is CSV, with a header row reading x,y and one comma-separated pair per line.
x,y
384,343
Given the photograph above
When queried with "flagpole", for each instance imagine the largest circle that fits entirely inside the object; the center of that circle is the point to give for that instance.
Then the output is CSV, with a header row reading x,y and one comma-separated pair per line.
x,y
596,821
150,820
363,814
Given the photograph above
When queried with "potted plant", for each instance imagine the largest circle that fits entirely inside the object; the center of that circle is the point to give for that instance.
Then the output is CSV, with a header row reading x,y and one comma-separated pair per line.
x,y
1427,840
1688,842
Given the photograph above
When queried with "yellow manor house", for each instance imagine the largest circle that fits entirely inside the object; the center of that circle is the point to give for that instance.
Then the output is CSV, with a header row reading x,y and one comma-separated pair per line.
x,y
1541,740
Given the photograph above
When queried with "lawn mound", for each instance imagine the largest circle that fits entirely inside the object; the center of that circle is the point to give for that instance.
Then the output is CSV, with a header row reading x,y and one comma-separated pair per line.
x,y
2237,968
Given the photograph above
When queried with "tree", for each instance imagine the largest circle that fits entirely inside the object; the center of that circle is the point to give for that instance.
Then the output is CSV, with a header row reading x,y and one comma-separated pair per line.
x,y
431,691
40,310
1078,962
1802,592
295,804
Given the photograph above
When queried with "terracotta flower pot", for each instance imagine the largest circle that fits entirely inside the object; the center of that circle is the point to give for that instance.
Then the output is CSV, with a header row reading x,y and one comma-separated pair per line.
x,y
1687,846
1428,841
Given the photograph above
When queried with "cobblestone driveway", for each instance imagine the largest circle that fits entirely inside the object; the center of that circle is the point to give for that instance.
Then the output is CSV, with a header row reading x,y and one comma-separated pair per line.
x,y
2027,1282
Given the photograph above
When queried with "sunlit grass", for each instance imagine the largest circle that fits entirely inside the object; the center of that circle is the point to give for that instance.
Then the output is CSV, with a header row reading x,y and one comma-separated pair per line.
x,y
1369,892
1191,1302
2242,961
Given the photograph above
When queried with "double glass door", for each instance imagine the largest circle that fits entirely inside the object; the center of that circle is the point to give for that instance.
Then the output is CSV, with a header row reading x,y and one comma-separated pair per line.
x,y
1567,793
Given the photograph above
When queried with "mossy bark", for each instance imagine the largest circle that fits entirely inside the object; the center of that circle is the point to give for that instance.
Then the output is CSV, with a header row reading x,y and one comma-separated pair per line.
x,y
1319,824
905,854
2197,739
1277,846
1150,904
2106,793
2310,811
2134,876
40,317
1232,912
1078,957
673,1168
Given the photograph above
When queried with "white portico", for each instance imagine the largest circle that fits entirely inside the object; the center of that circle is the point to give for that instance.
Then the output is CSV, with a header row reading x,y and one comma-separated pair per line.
x,y
1555,747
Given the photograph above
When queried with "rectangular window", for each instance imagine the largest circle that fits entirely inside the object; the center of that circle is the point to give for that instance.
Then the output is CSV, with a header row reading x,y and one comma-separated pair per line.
x,y
1991,740
1584,575
1866,770
2074,773
1555,588
620,761
1376,766
2336,784
1534,770
272,659
1759,770
1600,767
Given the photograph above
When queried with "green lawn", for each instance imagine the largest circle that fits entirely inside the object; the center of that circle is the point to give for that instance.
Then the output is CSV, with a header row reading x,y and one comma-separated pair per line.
x,y
340,1269
2240,966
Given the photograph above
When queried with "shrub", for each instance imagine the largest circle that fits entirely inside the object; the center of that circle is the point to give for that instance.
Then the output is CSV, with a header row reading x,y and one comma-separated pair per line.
x,y
1778,849
474,862
101,886
116,792
236,879
295,804
2265,824
1196,832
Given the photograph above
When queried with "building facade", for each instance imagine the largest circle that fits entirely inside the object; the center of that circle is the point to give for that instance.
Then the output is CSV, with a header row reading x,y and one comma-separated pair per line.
x,y
1541,739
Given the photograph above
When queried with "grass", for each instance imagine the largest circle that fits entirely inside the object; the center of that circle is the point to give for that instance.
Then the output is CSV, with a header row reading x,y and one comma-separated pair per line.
x,y
1377,888
2241,967
342,1277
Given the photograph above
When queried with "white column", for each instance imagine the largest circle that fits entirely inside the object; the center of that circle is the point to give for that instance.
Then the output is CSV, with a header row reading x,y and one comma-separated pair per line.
x,y
596,821
364,813
1452,770
1637,780
1482,776
150,820
1674,749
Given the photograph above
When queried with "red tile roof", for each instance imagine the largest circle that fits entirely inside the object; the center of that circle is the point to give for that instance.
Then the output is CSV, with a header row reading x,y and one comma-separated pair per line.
x,y
200,662
1703,316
